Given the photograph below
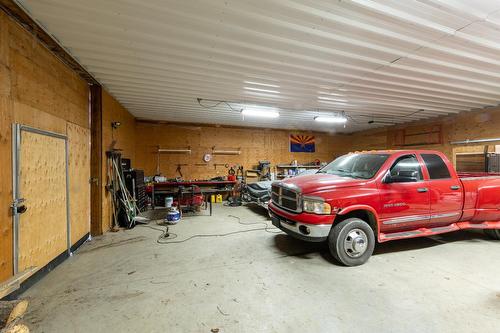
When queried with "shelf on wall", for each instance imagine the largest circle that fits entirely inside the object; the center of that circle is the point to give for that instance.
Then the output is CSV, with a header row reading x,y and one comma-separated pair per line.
x,y
284,166
225,151
174,150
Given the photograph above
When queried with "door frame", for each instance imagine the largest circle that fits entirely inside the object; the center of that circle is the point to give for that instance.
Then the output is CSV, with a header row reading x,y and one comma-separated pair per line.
x,y
16,195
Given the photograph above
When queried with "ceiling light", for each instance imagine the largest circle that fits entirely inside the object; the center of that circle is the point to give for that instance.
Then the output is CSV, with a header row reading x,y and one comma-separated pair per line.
x,y
339,119
334,102
329,93
260,111
262,84
323,98
262,90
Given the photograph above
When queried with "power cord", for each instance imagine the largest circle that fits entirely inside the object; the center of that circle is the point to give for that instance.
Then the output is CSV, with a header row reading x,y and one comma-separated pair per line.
x,y
165,234
261,222
217,103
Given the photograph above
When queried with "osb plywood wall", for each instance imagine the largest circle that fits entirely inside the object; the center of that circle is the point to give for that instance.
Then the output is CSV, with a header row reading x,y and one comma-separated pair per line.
x,y
36,89
43,228
79,175
122,138
480,124
255,145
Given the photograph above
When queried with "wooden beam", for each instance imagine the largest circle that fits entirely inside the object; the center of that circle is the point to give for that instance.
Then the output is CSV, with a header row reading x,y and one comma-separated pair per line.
x,y
96,160
11,311
13,283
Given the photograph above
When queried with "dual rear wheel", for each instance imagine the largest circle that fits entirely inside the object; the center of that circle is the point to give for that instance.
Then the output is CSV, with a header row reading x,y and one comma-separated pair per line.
x,y
493,233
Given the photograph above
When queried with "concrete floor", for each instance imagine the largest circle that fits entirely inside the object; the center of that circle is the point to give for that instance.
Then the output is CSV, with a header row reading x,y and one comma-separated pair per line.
x,y
265,282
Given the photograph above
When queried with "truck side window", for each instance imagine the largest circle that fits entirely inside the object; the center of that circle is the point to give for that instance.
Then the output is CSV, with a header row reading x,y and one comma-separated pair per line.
x,y
407,166
436,166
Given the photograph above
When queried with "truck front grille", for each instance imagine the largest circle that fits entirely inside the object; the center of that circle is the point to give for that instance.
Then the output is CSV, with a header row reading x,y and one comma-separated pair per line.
x,y
286,198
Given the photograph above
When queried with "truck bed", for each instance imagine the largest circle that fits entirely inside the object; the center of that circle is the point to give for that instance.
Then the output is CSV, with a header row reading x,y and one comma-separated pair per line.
x,y
477,174
481,200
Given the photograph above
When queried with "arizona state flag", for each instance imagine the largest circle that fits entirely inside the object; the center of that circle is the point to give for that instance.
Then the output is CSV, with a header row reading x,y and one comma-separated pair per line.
x,y
302,143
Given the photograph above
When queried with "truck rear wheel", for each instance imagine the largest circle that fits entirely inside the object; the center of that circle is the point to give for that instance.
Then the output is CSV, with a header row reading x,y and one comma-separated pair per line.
x,y
493,233
351,242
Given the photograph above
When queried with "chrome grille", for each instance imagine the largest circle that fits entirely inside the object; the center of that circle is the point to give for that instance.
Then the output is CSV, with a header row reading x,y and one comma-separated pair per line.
x,y
285,198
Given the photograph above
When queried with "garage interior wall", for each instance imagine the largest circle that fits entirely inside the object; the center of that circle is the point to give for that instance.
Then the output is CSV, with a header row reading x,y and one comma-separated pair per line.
x,y
37,90
480,124
122,138
254,144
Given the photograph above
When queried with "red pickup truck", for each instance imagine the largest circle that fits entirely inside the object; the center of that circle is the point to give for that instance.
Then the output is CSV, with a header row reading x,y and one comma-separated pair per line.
x,y
389,195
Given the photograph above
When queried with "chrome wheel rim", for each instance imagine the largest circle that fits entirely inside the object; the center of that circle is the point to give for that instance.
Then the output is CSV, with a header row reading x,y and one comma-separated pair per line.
x,y
355,243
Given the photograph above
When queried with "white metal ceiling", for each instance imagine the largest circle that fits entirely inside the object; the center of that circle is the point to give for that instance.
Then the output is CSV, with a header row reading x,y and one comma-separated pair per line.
x,y
376,60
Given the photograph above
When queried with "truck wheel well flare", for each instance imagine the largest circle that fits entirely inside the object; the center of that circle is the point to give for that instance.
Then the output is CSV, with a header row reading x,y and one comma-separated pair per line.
x,y
361,214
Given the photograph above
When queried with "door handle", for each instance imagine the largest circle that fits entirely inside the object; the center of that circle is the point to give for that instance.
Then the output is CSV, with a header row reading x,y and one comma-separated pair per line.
x,y
455,187
21,209
422,189
18,206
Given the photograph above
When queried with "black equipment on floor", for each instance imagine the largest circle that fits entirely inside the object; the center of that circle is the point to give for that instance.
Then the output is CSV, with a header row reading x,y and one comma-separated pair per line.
x,y
134,181
126,164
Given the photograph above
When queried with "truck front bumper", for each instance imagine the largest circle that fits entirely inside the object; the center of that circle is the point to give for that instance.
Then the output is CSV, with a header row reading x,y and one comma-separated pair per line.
x,y
303,231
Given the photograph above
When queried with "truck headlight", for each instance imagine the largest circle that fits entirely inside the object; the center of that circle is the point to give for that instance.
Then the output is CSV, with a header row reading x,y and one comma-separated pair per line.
x,y
316,206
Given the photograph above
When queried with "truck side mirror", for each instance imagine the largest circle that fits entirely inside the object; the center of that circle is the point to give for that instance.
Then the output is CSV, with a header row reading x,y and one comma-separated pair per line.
x,y
401,177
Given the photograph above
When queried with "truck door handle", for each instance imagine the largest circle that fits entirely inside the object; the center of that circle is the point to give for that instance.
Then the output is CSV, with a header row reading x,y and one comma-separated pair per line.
x,y
455,187
422,189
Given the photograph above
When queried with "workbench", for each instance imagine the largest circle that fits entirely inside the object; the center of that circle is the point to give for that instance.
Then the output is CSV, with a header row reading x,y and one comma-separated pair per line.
x,y
207,187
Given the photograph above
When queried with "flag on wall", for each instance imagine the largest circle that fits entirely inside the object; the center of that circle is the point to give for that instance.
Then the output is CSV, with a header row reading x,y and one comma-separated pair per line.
x,y
302,143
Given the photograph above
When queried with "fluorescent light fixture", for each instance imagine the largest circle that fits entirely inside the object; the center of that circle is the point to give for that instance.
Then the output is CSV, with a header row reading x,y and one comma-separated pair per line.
x,y
260,111
262,90
334,103
340,119
323,98
262,84
329,93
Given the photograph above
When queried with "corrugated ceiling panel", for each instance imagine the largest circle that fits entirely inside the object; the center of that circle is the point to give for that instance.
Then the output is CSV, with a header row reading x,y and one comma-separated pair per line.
x,y
391,61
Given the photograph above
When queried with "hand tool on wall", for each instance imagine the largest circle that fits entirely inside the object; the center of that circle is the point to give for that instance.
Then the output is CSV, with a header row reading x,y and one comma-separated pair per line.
x,y
231,174
179,169
239,172
221,164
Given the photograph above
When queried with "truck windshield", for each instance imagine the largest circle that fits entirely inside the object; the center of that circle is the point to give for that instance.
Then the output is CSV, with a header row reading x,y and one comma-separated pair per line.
x,y
363,166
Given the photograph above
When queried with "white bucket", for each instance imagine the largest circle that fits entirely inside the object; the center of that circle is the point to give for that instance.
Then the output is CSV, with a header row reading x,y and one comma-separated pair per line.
x,y
169,201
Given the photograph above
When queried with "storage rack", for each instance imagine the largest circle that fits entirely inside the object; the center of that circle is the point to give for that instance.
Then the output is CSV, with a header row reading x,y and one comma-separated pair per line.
x,y
293,167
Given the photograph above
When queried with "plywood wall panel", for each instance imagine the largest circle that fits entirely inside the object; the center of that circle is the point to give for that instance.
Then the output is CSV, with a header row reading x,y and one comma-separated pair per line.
x,y
42,182
46,85
122,138
5,188
6,268
5,81
79,175
36,89
30,116
480,124
255,145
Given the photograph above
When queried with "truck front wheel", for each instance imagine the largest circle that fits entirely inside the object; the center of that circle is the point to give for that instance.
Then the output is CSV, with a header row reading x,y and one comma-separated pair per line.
x,y
493,233
351,242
